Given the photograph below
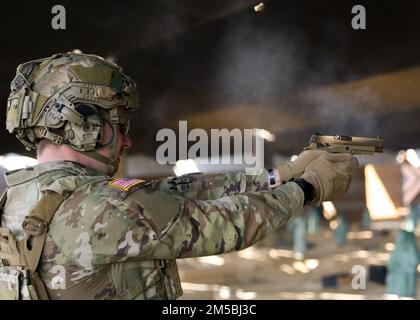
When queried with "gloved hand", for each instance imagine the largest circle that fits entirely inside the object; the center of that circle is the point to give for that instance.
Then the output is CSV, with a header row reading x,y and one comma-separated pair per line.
x,y
294,169
330,175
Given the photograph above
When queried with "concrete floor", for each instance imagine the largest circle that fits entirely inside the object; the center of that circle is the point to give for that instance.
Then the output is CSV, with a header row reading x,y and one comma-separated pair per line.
x,y
267,272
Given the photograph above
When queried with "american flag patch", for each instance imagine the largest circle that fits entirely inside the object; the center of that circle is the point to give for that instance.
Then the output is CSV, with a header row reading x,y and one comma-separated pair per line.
x,y
125,184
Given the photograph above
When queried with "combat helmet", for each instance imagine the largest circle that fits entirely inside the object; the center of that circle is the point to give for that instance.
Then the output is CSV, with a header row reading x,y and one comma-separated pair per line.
x,y
68,98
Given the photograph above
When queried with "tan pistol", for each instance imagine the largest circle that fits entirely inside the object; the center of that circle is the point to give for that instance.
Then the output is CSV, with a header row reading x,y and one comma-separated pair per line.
x,y
346,144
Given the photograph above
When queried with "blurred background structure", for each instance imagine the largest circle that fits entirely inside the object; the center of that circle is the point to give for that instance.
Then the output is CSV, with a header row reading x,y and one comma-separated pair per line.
x,y
294,68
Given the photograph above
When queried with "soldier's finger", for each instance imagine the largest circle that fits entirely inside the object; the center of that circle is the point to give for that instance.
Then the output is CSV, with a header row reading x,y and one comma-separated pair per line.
x,y
346,167
338,157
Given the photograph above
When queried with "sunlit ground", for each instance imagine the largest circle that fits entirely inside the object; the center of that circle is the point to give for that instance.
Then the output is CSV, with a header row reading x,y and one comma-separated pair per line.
x,y
267,272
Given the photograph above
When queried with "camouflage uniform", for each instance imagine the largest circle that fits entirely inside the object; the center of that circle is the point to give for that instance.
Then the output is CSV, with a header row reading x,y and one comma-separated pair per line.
x,y
105,242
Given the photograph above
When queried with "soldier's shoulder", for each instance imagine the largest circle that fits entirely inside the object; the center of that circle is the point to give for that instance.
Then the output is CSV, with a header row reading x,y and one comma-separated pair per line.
x,y
101,199
104,192
96,193
138,197
120,203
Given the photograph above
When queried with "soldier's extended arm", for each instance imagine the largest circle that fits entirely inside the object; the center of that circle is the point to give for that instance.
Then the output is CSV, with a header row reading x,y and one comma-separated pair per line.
x,y
152,224
142,223
200,186
213,186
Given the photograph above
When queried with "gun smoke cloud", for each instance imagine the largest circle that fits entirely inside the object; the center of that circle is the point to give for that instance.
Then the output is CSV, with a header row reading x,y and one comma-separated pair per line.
x,y
279,68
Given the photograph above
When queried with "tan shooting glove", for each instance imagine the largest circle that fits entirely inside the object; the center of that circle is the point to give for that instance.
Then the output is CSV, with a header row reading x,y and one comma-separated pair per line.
x,y
330,175
294,169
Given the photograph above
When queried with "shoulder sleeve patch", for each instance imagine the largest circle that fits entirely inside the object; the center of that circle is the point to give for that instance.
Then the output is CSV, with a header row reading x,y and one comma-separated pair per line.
x,y
126,184
159,208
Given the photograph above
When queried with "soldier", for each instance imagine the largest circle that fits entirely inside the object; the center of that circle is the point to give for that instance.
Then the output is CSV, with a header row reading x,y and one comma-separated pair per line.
x,y
118,239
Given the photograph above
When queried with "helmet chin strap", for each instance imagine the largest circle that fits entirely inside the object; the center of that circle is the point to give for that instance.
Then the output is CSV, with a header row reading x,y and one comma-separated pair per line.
x,y
110,161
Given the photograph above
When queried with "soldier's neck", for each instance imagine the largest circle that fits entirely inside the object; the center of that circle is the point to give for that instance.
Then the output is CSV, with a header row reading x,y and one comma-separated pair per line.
x,y
52,152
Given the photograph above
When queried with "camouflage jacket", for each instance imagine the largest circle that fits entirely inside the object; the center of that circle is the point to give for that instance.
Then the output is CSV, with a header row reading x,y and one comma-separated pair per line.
x,y
118,239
